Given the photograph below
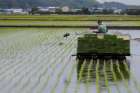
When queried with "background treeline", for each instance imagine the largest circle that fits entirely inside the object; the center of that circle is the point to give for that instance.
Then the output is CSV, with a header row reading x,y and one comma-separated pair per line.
x,y
87,11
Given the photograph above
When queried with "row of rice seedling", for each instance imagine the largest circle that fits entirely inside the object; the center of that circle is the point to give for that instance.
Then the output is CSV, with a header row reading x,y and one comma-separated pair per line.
x,y
106,77
18,63
69,18
55,61
97,77
16,73
107,71
39,73
114,76
70,76
80,76
35,38
7,62
28,74
62,70
137,86
53,64
71,69
44,75
89,75
70,24
12,46
59,76
122,77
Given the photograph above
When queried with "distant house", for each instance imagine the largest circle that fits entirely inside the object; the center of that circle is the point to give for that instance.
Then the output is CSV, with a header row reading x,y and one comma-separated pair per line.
x,y
98,10
117,11
1,11
43,9
51,9
65,9
14,11
76,10
5,11
133,10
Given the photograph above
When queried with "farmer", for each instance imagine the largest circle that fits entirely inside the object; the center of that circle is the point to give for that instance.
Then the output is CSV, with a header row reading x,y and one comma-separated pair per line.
x,y
101,27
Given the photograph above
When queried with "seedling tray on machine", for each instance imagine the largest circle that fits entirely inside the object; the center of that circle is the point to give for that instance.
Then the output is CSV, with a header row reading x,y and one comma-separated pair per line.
x,y
103,46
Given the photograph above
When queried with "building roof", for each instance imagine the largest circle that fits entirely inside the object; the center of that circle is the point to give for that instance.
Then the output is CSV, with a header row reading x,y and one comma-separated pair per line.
x,y
133,7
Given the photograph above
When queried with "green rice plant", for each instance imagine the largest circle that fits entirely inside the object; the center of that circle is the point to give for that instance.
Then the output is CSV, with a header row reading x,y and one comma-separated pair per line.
x,y
29,65
122,76
60,73
56,59
69,78
89,75
106,77
62,52
58,63
132,75
97,77
80,76
54,64
70,17
58,77
43,74
114,76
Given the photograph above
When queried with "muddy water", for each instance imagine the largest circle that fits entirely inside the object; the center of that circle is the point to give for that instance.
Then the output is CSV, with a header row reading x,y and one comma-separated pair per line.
x,y
43,63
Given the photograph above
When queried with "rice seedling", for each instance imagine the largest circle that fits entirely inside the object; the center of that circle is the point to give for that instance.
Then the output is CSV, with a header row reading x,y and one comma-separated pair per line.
x,y
80,76
106,77
59,75
69,78
97,77
43,65
132,75
89,75
122,77
69,18
114,76
92,45
54,64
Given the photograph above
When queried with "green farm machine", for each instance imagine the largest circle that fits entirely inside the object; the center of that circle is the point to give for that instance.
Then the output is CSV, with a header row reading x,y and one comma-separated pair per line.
x,y
99,52
103,46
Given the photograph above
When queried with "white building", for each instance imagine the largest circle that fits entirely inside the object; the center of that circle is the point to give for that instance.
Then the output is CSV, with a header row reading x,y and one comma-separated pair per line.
x,y
117,11
76,10
65,9
53,9
48,9
15,11
43,9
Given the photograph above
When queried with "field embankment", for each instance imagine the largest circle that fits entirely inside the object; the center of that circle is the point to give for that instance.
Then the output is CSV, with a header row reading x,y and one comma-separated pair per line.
x,y
77,21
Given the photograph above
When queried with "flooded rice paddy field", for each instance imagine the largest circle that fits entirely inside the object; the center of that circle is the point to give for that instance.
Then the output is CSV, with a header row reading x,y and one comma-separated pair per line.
x,y
39,60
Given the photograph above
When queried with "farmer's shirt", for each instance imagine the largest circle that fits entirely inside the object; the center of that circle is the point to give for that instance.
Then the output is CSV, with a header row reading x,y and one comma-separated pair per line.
x,y
102,28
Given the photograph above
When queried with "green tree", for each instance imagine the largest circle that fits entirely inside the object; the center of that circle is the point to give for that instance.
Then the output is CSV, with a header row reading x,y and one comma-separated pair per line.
x,y
34,10
85,10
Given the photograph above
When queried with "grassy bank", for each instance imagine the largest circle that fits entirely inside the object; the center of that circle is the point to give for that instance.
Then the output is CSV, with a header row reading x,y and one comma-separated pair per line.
x,y
68,20
71,17
67,23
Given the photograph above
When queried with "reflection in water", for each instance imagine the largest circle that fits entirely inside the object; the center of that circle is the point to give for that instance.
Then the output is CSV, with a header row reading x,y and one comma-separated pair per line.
x,y
102,71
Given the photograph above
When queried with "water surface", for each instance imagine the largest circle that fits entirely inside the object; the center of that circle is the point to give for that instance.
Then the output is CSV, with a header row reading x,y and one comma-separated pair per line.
x,y
39,60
